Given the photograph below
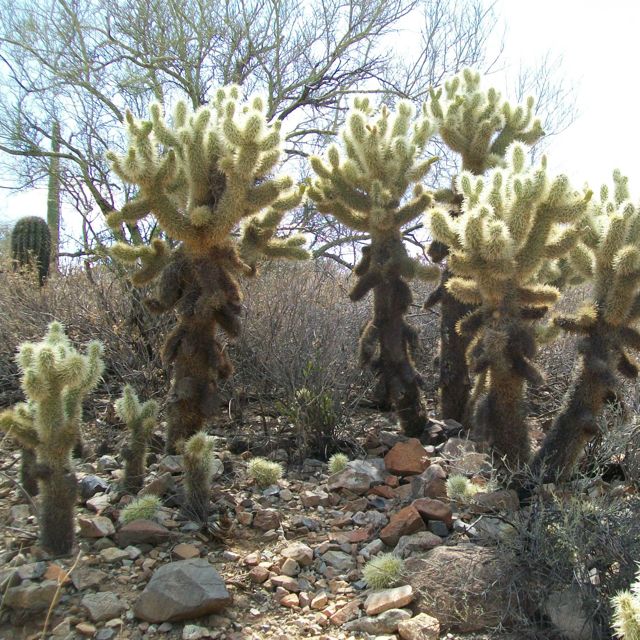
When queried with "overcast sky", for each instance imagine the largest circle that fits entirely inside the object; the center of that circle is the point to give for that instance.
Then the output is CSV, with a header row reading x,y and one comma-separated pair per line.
x,y
600,48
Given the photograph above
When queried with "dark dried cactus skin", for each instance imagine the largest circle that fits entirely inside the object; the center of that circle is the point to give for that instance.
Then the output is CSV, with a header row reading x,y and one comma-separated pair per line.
x,y
31,246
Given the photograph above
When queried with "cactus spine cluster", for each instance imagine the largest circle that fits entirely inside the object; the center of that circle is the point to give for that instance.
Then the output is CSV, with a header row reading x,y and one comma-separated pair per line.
x,y
514,222
140,419
31,245
202,175
607,327
366,189
478,125
198,473
55,379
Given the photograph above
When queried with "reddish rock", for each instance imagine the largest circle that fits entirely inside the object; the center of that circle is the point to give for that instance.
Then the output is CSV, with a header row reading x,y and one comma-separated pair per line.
x,y
266,519
431,509
403,492
319,601
436,488
422,627
383,491
286,582
380,601
346,613
142,532
185,551
259,575
392,481
407,458
403,523
359,535
95,527
290,601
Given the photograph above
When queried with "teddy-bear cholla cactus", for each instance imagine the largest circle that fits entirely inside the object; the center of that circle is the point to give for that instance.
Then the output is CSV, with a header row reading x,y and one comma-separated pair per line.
x,y
478,125
607,327
367,190
31,245
55,379
200,176
140,419
198,472
514,222
20,419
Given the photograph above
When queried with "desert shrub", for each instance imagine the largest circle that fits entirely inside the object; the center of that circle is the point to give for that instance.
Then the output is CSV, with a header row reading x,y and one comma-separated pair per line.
x,y
264,472
144,508
383,571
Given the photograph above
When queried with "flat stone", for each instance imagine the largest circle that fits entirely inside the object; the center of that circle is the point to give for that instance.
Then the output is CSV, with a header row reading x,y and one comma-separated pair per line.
x,y
105,634
32,597
339,560
354,481
142,532
87,578
86,629
159,486
300,552
346,613
266,519
312,499
181,591
422,627
420,542
98,503
90,485
95,527
403,523
113,555
103,605
286,582
431,509
386,622
396,598
184,551
194,632
373,468
407,458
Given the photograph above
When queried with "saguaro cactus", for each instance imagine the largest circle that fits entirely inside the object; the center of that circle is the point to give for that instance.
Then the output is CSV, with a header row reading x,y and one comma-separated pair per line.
x,y
607,327
140,419
198,472
515,222
31,245
55,379
365,191
200,176
479,125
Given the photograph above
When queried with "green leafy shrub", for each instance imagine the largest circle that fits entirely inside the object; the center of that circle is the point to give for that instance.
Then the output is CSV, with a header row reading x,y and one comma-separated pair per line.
x,y
383,571
143,508
264,472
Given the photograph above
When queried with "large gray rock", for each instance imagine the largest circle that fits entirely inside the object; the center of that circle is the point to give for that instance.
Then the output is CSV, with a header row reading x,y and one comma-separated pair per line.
x,y
181,591
350,479
465,587
104,605
34,597
420,542
386,622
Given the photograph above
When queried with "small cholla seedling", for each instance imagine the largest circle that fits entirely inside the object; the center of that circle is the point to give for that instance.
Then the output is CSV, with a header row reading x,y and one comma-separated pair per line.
x,y
383,571
373,185
337,462
625,620
140,419
55,379
143,508
198,472
264,472
204,176
460,488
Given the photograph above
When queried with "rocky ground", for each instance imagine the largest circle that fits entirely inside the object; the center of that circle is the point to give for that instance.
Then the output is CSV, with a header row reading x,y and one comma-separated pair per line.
x,y
281,562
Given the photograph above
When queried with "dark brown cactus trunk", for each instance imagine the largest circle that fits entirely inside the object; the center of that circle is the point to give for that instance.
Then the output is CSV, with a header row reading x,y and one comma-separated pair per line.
x,y
58,491
28,478
134,467
593,384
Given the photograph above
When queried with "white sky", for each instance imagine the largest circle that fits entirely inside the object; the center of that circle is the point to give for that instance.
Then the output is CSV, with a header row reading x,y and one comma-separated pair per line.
x,y
600,45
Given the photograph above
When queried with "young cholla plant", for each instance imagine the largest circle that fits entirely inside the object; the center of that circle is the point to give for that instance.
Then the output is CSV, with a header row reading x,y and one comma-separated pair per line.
x,y
21,417
198,472
201,176
337,462
55,379
143,508
609,254
383,571
460,488
514,222
140,420
366,190
479,125
626,612
264,472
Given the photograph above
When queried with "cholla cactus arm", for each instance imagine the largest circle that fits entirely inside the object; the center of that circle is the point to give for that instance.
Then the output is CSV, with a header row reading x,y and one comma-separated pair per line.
x,y
372,184
18,424
606,327
499,257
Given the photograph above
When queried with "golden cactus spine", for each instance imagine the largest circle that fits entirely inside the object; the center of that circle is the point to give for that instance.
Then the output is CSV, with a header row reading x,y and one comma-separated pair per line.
x,y
363,185
201,175
478,125
516,221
